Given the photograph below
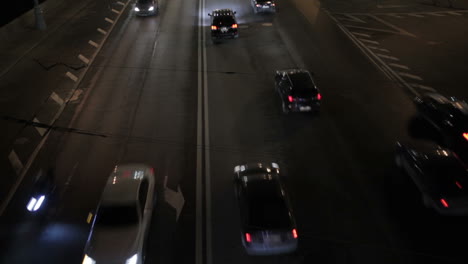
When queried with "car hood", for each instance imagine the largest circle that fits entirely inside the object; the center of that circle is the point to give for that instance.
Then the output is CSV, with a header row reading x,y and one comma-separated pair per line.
x,y
113,244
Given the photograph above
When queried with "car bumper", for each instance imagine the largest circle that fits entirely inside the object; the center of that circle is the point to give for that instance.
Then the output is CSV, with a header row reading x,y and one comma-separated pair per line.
x,y
260,249
298,107
270,9
224,36
146,13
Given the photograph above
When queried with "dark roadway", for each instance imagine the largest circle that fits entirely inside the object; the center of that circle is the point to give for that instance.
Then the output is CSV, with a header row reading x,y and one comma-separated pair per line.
x,y
140,103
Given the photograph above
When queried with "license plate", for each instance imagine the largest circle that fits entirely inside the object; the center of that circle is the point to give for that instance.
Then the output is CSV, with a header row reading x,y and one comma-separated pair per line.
x,y
275,238
266,7
304,108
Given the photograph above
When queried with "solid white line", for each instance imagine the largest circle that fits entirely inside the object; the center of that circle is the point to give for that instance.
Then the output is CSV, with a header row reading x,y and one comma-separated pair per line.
x,y
424,87
15,162
361,34
71,76
41,130
454,13
115,11
387,57
92,43
83,59
56,98
404,74
109,20
399,66
369,41
102,31
415,15
199,172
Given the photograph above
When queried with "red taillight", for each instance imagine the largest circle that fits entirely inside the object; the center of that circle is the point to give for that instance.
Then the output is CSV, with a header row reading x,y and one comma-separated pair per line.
x,y
444,203
465,135
152,170
214,27
459,185
294,233
234,26
248,238
319,97
290,98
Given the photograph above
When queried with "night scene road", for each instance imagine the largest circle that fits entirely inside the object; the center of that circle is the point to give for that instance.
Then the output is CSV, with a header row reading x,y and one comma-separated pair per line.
x,y
102,87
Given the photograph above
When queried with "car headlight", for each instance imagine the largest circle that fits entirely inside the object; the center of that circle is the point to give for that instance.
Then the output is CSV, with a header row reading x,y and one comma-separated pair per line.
x,y
132,260
137,9
88,260
151,8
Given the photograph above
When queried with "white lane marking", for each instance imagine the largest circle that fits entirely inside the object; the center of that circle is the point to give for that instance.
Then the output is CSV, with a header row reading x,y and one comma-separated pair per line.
x,y
83,59
115,11
436,14
71,76
243,26
424,87
387,57
400,30
15,162
361,34
199,172
408,75
92,43
454,13
109,20
377,48
41,130
102,31
399,66
267,24
415,15
174,198
390,6
56,98
374,29
33,156
120,3
395,15
354,19
369,41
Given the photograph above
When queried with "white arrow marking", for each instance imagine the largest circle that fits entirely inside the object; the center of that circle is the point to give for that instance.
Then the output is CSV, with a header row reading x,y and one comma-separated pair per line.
x,y
173,198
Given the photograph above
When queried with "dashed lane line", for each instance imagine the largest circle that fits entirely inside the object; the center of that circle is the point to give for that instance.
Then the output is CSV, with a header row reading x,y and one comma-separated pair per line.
x,y
71,76
15,162
102,31
115,11
83,59
436,14
92,43
408,75
109,20
56,98
399,66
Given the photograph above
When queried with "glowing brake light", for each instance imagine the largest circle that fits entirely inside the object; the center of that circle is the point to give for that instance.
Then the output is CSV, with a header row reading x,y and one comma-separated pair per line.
x,y
465,135
294,233
214,27
248,238
319,96
290,98
444,203
234,26
459,185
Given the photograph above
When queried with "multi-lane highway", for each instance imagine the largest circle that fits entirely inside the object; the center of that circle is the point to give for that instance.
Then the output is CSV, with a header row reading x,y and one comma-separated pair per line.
x,y
156,90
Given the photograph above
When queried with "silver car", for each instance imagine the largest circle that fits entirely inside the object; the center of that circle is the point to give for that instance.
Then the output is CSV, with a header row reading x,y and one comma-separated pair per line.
x,y
120,226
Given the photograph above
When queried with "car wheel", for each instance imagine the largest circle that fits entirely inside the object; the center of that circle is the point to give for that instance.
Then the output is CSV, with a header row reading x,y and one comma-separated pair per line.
x,y
285,108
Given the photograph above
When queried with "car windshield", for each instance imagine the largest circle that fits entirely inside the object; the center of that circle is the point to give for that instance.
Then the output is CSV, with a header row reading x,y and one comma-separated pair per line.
x,y
117,215
144,2
223,21
266,208
264,1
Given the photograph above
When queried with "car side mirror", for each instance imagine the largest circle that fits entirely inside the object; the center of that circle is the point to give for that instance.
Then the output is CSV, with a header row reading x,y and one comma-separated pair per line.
x,y
209,14
235,12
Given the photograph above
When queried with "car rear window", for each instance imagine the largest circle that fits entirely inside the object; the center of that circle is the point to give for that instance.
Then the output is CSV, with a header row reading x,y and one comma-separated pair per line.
x,y
144,1
223,21
302,84
266,207
117,215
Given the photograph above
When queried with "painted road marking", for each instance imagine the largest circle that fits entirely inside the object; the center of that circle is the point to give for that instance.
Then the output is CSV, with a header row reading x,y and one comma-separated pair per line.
x,y
354,19
120,3
387,57
377,48
83,59
435,14
400,30
404,74
399,66
109,20
92,43
41,130
71,76
115,11
424,87
102,31
361,34
390,6
395,15
375,29
369,41
454,13
56,98
415,15
15,162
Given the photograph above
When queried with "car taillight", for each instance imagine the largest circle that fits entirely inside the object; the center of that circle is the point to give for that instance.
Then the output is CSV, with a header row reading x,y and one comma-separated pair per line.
x,y
458,185
234,26
319,96
214,27
294,233
290,98
465,135
248,238
444,203
273,4
257,5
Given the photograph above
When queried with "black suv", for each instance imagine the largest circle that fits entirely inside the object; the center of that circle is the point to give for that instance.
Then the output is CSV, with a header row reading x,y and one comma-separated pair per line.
x,y
223,24
297,90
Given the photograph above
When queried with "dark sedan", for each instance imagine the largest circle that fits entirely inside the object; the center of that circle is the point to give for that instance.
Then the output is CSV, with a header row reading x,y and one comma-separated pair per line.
x,y
267,223
439,174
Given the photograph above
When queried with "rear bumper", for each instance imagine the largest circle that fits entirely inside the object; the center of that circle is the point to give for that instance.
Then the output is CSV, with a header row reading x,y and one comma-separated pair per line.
x,y
304,107
259,249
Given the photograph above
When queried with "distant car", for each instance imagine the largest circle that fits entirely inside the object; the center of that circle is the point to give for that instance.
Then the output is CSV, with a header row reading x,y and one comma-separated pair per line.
x,y
223,24
146,7
449,116
121,223
438,173
268,226
261,6
297,90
